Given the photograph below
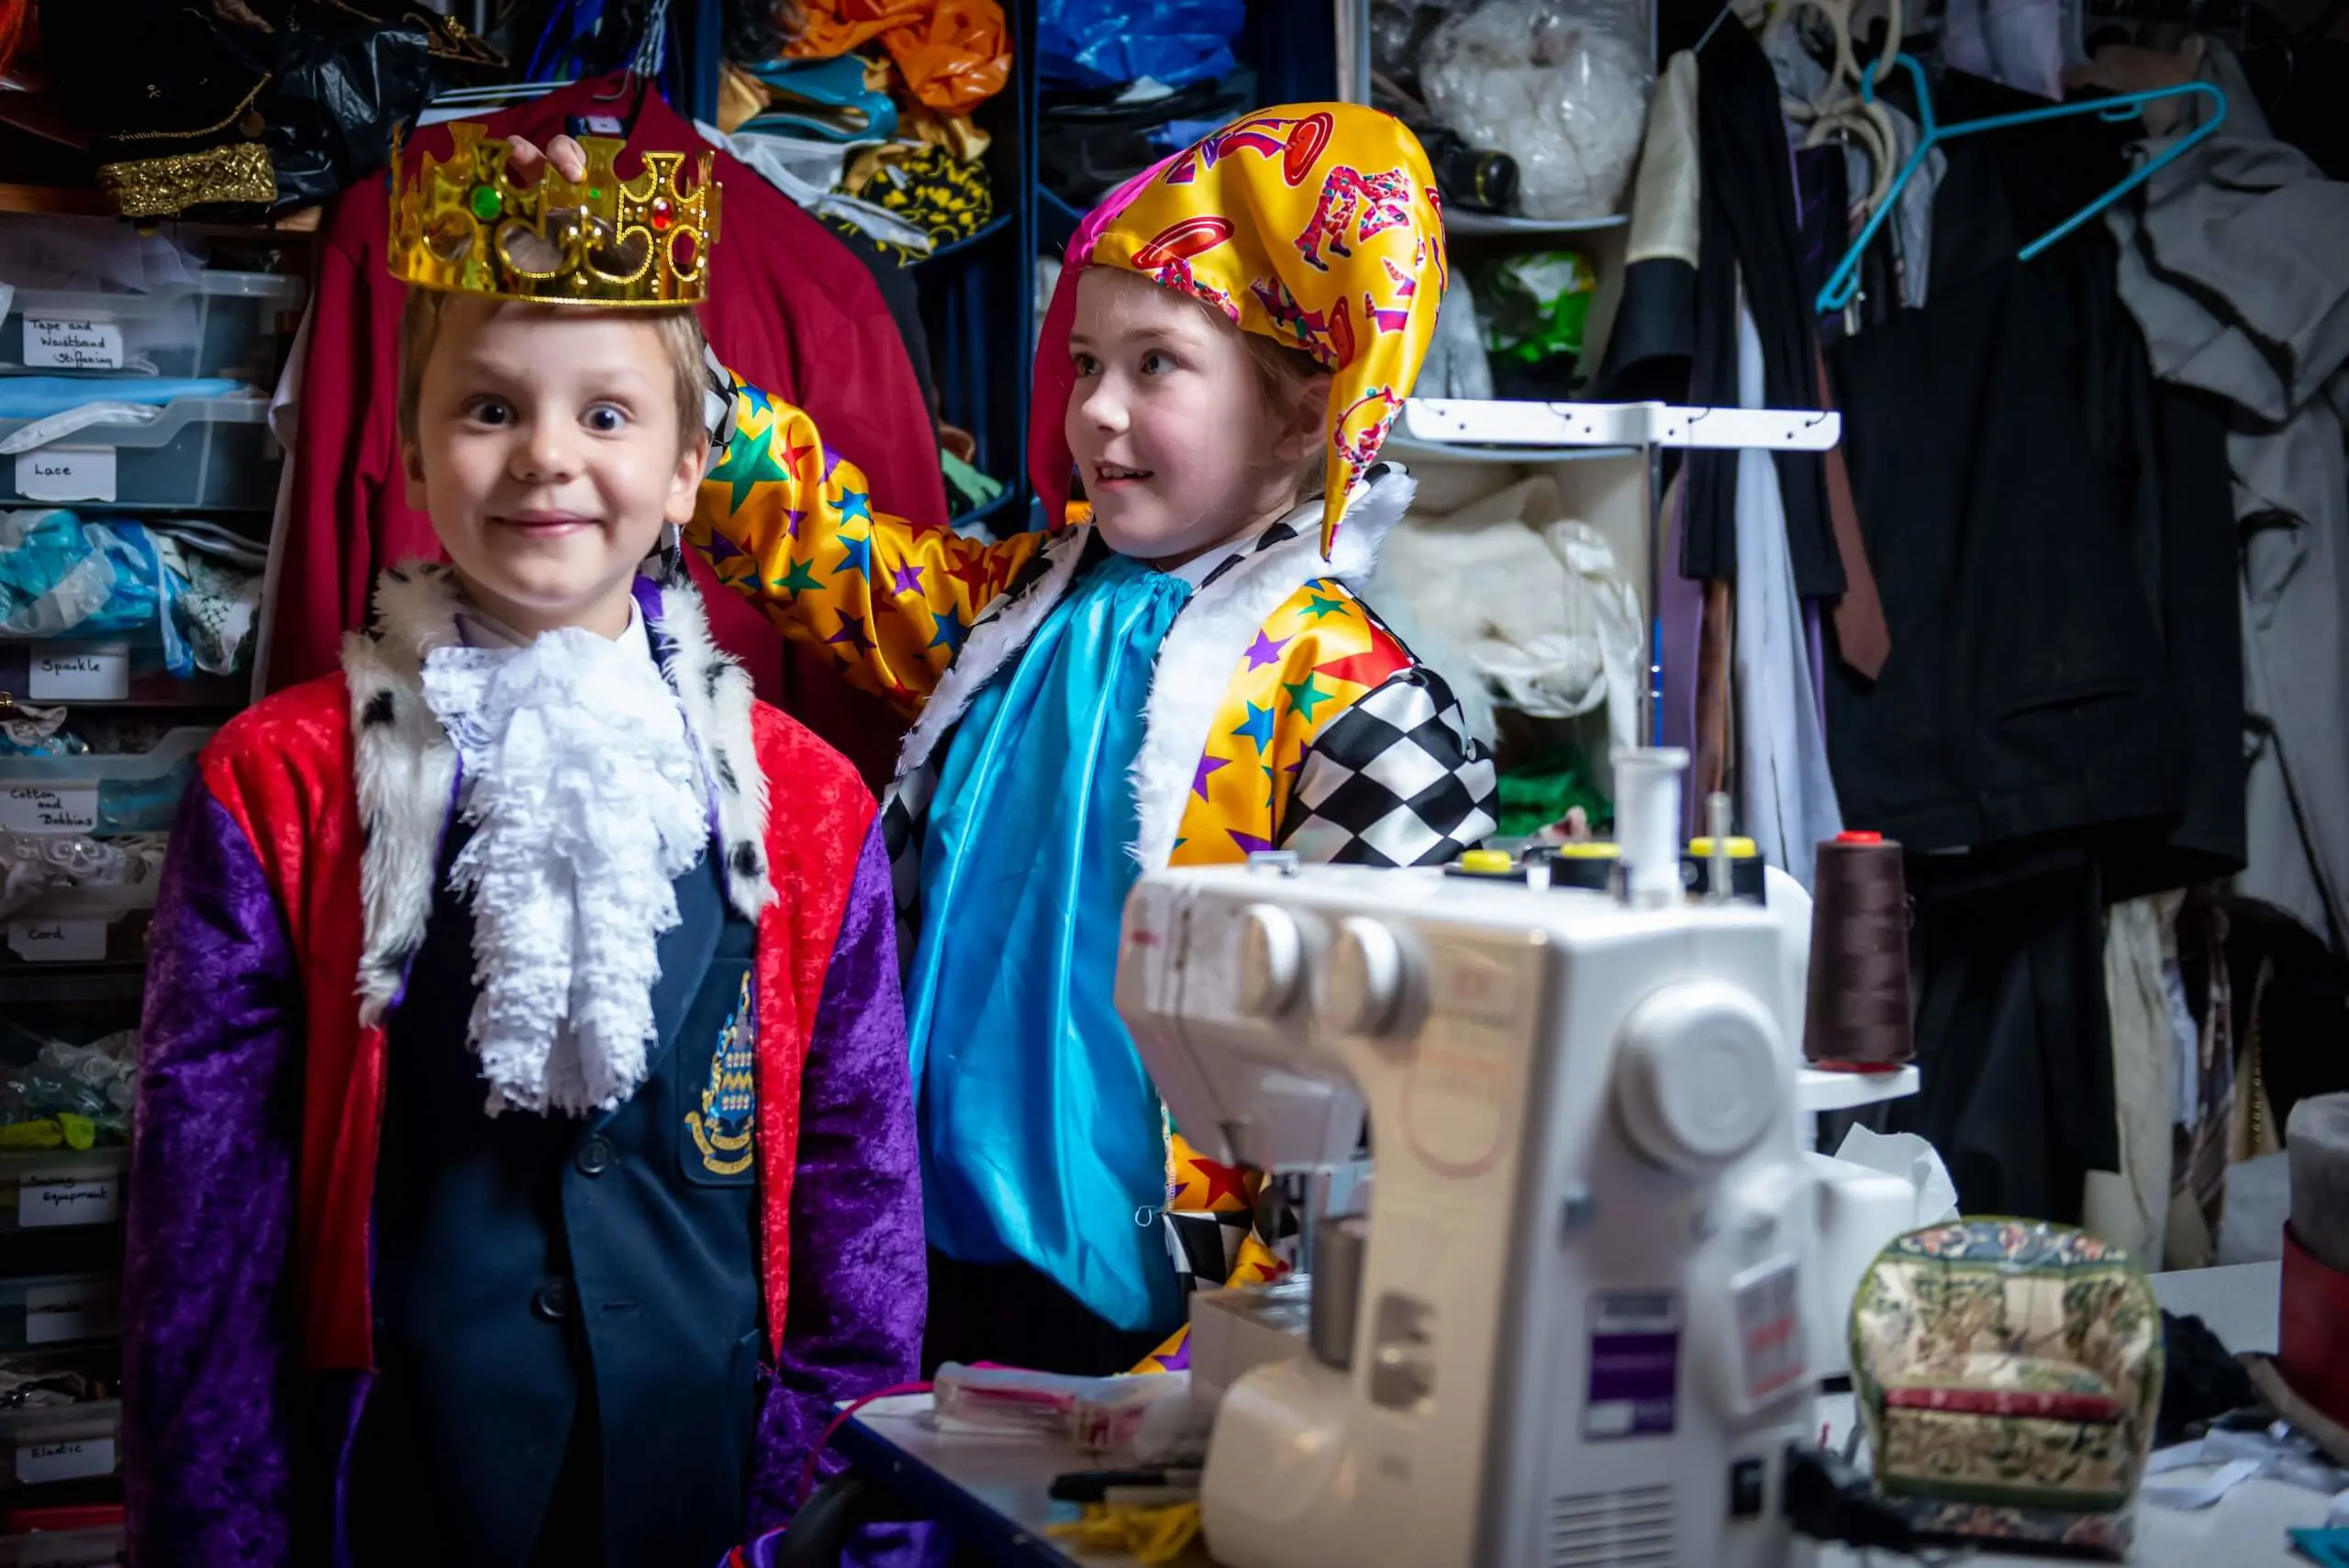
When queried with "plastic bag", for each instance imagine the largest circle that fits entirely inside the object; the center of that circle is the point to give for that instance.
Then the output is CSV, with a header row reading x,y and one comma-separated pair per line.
x,y
1093,44
73,1096
176,96
62,577
1561,88
1534,306
191,588
336,97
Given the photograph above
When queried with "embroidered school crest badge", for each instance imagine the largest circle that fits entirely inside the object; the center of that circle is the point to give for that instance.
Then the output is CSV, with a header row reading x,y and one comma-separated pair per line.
x,y
723,1127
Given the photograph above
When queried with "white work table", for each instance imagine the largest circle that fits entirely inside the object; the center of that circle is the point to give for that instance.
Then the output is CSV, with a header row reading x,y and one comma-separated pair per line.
x,y
995,1490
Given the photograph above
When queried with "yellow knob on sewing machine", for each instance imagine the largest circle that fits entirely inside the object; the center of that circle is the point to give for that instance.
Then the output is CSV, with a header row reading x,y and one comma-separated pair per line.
x,y
1739,848
1487,863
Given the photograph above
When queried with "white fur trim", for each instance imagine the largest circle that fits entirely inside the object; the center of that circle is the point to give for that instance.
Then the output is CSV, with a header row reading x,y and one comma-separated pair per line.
x,y
404,769
1000,633
1193,676
1193,673
717,696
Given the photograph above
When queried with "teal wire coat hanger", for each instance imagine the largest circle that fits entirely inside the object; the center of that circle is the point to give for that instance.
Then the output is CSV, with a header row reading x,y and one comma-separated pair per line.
x,y
1844,282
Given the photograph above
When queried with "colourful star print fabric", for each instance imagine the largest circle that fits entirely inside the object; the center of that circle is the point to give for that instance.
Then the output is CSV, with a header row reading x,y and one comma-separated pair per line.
x,y
1210,1232
1316,656
790,522
1316,224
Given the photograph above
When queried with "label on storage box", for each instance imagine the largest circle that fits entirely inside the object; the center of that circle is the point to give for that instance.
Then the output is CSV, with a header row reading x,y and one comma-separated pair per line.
x,y
85,1309
66,473
76,1459
67,1197
58,672
39,808
58,941
70,343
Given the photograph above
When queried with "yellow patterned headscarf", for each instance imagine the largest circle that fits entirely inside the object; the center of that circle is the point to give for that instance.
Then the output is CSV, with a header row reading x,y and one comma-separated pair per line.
x,y
1314,224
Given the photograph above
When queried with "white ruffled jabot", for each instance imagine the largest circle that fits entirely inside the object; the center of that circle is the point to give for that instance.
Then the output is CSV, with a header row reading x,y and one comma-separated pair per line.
x,y
586,801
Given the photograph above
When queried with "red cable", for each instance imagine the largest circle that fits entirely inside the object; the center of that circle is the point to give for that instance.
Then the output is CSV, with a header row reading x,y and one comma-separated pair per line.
x,y
807,1475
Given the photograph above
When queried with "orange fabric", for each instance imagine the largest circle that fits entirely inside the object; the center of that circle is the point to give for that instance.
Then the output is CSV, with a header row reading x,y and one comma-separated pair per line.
x,y
283,771
954,54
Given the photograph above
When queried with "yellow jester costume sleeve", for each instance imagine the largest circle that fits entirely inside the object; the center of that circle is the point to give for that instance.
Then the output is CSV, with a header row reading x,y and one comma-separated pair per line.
x,y
790,523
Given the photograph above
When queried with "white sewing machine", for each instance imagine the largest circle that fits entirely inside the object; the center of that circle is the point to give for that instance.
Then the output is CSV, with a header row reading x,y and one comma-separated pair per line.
x,y
1583,1328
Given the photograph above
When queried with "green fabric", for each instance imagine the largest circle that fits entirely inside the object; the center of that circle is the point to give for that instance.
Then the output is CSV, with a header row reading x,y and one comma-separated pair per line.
x,y
975,488
1531,800
1536,305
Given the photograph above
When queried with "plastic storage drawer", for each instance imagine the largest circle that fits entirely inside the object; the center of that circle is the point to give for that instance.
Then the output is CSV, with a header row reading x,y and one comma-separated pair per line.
x,y
135,792
200,451
28,669
55,1443
99,1548
79,926
60,1309
224,324
60,1187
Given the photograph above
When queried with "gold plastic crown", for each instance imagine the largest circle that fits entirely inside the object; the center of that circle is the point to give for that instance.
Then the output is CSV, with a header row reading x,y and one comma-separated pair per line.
x,y
462,225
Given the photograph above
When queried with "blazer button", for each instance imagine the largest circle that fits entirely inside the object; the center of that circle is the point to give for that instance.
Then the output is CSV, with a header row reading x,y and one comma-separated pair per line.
x,y
552,1300
595,1155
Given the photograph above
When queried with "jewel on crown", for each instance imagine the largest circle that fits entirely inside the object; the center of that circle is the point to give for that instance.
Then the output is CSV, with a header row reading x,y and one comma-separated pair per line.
x,y
459,224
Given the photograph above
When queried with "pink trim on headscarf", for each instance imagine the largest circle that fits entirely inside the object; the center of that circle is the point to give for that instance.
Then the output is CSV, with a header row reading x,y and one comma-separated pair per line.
x,y
1050,461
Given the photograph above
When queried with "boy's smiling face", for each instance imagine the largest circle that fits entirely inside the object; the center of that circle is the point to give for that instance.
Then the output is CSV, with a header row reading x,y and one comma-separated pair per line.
x,y
1169,422
549,455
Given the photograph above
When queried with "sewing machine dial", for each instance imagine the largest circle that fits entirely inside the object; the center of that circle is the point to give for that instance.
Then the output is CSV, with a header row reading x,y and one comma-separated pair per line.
x,y
1697,1076
1272,961
1362,992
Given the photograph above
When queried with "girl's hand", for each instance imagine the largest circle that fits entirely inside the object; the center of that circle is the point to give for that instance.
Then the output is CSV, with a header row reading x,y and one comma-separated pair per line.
x,y
570,158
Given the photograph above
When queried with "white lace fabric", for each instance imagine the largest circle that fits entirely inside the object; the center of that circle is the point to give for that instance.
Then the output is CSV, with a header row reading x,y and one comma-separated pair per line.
x,y
586,801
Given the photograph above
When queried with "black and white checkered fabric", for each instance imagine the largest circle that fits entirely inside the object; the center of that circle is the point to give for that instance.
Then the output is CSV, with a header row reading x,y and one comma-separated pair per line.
x,y
1397,780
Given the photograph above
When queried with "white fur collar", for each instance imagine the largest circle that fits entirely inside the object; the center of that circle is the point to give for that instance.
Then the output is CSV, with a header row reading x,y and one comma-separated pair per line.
x,y
1193,673
406,769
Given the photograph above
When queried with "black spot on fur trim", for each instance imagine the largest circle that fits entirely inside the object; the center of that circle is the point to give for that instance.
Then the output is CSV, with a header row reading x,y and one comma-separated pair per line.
x,y
745,862
379,710
397,574
725,779
712,677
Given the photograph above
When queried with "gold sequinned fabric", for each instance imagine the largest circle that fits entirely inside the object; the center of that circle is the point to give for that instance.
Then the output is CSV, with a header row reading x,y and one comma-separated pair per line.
x,y
237,173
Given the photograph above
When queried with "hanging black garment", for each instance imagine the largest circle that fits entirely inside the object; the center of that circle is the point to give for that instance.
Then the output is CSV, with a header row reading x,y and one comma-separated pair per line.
x,y
2160,452
2014,1042
1750,231
2025,695
2154,454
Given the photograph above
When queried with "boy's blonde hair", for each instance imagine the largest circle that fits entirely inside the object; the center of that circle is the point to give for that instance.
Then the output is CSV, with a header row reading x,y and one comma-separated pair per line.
x,y
682,345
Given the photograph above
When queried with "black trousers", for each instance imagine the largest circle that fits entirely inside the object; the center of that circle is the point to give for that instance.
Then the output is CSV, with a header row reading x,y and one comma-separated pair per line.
x,y
1013,1316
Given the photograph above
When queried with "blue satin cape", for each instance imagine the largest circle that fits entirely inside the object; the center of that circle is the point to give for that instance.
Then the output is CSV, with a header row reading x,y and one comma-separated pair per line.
x,y
1041,1134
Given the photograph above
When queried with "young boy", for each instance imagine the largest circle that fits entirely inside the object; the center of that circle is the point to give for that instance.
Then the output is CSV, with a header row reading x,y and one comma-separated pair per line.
x,y
525,1159
1187,679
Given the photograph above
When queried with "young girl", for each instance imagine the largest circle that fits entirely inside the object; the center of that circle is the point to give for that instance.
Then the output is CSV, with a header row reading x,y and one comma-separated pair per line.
x,y
1187,679
525,1158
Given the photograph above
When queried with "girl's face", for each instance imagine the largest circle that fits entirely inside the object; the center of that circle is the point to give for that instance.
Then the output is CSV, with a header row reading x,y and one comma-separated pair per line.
x,y
1170,425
